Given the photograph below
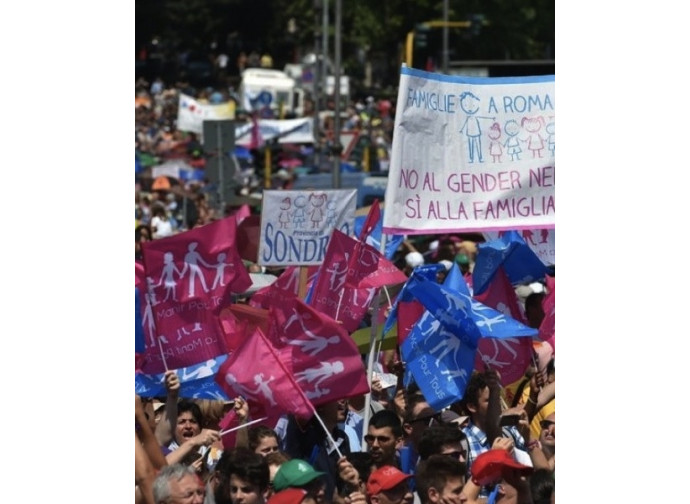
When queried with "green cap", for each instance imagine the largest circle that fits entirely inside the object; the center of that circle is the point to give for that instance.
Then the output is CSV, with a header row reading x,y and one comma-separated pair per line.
x,y
294,473
462,259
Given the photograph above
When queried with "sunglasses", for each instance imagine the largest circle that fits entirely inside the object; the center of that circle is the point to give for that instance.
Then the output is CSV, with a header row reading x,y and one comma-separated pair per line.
x,y
381,439
545,424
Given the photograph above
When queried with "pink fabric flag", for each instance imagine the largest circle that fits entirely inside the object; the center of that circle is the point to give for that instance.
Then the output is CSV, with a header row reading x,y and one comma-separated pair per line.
x,y
242,213
373,217
193,275
349,263
511,356
257,141
547,328
255,372
239,320
409,313
287,286
321,355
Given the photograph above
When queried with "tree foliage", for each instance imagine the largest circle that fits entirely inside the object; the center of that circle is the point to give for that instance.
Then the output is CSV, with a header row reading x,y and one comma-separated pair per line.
x,y
371,29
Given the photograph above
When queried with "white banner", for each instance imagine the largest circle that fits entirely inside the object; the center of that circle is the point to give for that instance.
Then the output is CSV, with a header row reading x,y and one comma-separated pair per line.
x,y
471,154
289,131
296,226
191,114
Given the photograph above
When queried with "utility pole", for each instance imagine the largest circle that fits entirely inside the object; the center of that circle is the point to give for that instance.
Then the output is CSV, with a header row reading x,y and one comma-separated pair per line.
x,y
445,37
337,147
317,81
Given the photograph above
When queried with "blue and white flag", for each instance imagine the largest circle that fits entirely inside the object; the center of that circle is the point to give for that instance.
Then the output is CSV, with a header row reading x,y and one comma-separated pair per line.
x,y
440,352
196,382
519,262
423,272
491,323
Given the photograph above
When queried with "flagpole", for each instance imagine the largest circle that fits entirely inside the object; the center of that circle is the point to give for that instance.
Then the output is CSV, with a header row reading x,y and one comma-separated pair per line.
x,y
340,301
330,437
160,347
370,358
223,433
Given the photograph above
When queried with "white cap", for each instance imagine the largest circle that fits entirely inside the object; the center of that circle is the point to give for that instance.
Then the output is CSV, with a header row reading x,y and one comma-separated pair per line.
x,y
446,264
414,259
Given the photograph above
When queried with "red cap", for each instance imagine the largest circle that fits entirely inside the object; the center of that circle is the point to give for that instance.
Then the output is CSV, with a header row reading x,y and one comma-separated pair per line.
x,y
288,496
488,467
385,478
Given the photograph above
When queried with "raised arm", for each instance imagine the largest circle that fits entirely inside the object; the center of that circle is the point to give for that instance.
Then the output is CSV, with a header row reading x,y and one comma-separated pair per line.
x,y
166,426
493,416
144,474
242,411
146,436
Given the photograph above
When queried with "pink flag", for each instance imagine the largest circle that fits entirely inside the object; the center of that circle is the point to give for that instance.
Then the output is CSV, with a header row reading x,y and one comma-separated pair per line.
x,y
511,356
242,213
409,313
239,321
373,217
193,275
350,263
255,372
257,141
547,329
287,286
323,358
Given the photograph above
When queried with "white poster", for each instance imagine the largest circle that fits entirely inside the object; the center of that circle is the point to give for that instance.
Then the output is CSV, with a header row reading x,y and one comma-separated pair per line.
x,y
297,225
191,114
471,154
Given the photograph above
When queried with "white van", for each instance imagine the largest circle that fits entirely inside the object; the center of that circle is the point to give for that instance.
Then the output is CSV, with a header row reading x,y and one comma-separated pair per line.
x,y
281,88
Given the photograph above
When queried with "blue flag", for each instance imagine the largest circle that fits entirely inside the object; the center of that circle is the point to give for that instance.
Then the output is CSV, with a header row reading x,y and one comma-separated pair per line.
x,y
139,340
196,382
519,262
374,239
423,272
491,323
441,358
440,350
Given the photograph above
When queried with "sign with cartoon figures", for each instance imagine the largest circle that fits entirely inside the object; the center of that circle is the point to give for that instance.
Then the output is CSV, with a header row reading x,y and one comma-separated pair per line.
x,y
297,225
471,154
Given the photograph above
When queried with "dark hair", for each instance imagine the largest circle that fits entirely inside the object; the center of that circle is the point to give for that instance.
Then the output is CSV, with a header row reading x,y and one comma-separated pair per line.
x,y
474,388
542,484
277,458
435,437
184,406
413,396
435,472
551,367
386,418
243,463
257,433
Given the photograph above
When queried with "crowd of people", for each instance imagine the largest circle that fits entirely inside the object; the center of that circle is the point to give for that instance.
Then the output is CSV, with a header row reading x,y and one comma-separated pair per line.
x,y
473,451
482,448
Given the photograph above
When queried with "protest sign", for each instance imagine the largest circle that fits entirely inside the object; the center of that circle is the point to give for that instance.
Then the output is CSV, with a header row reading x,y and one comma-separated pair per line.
x,y
471,154
191,113
296,226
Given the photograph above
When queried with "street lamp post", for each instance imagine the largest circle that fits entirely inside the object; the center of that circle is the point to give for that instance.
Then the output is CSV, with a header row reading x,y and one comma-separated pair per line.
x,y
337,147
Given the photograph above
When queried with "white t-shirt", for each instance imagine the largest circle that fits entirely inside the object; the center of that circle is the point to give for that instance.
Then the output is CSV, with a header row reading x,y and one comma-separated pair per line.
x,y
161,227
